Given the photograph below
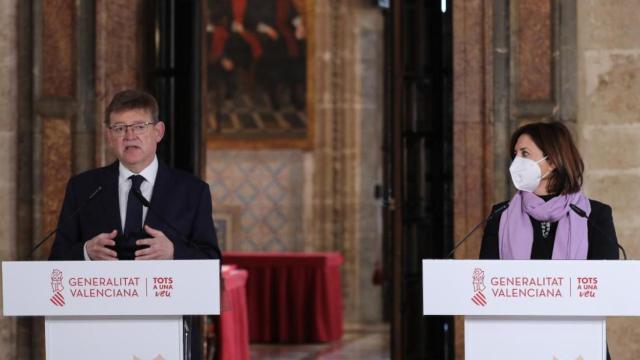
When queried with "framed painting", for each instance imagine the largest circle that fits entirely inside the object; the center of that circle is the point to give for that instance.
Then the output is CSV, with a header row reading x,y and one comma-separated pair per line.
x,y
258,78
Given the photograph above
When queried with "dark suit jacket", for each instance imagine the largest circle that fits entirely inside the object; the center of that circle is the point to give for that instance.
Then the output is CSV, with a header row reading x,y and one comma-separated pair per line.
x,y
601,232
183,200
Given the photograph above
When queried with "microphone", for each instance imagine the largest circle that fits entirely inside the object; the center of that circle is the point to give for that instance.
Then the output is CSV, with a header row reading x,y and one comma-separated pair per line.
x,y
142,200
583,214
579,211
177,232
73,214
500,209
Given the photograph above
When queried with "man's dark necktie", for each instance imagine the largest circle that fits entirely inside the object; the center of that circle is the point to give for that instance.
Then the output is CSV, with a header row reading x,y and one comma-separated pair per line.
x,y
133,221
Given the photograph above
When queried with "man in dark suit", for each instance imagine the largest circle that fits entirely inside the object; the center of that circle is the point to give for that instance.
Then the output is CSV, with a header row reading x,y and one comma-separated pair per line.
x,y
109,201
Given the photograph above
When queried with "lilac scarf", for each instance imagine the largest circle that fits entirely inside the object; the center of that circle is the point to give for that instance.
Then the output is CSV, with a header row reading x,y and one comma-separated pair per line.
x,y
516,232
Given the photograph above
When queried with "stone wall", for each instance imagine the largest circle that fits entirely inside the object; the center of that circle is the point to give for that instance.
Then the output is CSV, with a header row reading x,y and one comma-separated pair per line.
x,y
608,129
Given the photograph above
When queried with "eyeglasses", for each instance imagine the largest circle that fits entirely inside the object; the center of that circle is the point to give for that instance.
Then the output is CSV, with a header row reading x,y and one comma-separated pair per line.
x,y
138,129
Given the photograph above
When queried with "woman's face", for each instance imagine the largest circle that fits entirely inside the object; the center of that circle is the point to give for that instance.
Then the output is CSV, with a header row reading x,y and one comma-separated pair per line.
x,y
526,148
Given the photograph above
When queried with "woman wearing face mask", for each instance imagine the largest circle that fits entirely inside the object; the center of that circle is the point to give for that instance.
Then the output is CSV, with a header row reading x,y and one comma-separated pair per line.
x,y
539,222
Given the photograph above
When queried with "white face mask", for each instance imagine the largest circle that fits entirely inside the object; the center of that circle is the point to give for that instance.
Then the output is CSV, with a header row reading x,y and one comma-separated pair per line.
x,y
525,173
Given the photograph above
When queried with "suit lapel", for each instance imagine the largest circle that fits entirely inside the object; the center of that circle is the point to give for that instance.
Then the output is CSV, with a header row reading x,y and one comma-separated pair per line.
x,y
110,199
159,198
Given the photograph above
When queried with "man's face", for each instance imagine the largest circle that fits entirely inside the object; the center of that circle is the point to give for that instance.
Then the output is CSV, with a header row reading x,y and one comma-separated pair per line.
x,y
134,148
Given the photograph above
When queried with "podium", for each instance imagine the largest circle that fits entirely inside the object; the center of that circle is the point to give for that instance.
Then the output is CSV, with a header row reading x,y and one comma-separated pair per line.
x,y
536,309
112,309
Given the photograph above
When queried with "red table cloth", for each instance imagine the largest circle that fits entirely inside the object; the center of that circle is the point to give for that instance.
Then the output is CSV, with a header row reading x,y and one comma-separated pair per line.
x,y
292,297
234,329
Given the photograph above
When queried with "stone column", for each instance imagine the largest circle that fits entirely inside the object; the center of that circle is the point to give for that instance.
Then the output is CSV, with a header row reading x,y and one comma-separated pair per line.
x,y
346,162
357,167
8,146
368,113
609,130
124,56
473,182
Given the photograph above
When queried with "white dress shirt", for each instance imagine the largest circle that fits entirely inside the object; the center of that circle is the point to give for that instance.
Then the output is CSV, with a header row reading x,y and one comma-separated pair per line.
x,y
146,188
124,186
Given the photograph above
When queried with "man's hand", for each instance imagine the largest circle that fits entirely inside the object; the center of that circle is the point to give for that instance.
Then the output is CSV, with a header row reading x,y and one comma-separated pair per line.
x,y
97,247
227,64
268,30
160,247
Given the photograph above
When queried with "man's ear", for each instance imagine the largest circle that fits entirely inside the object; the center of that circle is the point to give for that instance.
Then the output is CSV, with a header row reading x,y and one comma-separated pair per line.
x,y
159,130
107,134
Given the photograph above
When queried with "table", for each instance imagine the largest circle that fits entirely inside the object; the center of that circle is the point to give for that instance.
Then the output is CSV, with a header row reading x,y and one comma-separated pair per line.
x,y
292,297
234,329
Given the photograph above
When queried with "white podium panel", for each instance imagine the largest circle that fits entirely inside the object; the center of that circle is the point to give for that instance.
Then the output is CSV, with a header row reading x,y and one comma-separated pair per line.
x,y
64,288
534,338
532,288
532,309
114,337
112,309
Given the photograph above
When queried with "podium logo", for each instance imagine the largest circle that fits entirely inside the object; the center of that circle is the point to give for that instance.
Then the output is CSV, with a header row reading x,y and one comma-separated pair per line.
x,y
478,297
57,298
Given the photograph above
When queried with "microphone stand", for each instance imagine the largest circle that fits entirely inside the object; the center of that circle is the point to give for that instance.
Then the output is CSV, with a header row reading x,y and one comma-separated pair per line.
x,y
464,239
